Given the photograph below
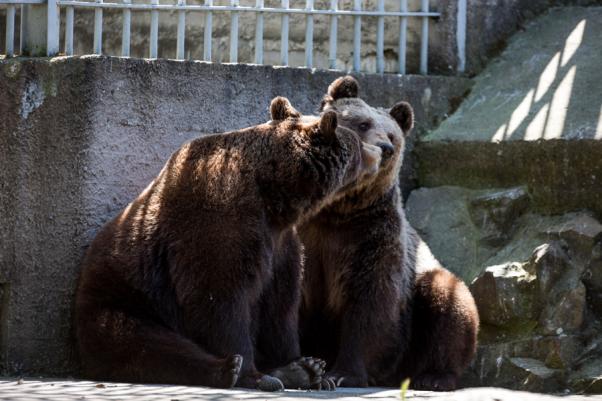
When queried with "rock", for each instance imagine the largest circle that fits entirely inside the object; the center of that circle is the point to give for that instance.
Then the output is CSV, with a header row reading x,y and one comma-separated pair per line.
x,y
581,231
548,263
565,308
556,352
592,278
505,295
495,214
441,217
532,375
588,378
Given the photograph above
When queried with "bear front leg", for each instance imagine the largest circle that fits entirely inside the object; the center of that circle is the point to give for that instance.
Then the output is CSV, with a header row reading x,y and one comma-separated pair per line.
x,y
349,369
368,313
277,341
224,327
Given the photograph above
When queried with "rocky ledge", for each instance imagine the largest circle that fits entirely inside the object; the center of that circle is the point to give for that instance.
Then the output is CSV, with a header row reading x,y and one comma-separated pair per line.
x,y
537,281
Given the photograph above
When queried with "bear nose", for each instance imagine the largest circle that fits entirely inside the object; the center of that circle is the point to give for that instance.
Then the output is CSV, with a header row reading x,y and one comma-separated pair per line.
x,y
387,149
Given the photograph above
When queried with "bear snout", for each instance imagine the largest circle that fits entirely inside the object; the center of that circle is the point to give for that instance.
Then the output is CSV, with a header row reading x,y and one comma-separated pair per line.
x,y
387,150
371,159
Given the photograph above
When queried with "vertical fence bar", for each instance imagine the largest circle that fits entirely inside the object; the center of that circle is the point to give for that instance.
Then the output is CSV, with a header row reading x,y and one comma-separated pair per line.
x,y
357,36
403,36
125,30
154,31
461,35
309,35
259,33
284,34
10,31
181,31
234,33
424,40
380,39
98,29
53,29
208,32
69,16
334,20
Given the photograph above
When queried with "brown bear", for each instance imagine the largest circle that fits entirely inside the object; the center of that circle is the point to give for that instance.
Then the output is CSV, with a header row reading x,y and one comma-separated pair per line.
x,y
197,281
376,304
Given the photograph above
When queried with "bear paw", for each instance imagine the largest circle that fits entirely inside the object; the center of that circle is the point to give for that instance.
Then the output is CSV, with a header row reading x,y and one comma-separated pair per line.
x,y
230,371
304,373
269,383
347,380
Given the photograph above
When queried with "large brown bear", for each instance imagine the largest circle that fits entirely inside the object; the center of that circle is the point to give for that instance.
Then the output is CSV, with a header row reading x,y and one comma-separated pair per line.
x,y
376,304
197,281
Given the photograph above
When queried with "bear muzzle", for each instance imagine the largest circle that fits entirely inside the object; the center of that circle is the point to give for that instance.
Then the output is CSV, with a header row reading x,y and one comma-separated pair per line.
x,y
387,151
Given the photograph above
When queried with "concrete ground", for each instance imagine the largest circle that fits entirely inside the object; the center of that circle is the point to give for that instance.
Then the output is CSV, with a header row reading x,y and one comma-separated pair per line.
x,y
67,390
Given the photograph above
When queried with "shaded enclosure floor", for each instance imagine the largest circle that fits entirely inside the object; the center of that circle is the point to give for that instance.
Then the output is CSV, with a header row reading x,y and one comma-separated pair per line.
x,y
67,390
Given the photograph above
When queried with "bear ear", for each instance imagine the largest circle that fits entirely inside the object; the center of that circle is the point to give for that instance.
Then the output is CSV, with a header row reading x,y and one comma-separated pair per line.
x,y
328,126
281,109
403,113
344,87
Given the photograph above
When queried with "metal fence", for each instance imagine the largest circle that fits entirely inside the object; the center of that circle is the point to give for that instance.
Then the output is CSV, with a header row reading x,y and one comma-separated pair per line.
x,y
47,20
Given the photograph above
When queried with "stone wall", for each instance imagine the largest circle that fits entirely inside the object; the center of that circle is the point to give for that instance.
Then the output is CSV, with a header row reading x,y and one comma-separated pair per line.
x,y
81,137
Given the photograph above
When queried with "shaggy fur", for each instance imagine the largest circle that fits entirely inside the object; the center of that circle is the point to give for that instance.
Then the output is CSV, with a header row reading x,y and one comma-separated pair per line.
x,y
197,281
376,304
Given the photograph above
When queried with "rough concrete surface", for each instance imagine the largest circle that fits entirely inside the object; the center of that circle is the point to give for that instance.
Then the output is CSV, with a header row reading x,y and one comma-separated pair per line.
x,y
81,137
63,390
534,118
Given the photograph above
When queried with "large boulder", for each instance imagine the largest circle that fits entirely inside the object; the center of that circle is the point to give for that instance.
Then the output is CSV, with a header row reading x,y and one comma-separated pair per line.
x,y
536,280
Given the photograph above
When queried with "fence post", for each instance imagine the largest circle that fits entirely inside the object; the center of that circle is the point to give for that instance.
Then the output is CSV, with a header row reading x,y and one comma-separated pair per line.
x,y
40,29
181,39
424,39
284,30
380,40
357,36
126,29
309,35
461,35
208,32
53,25
98,29
332,48
154,32
10,31
234,33
259,33
69,16
403,36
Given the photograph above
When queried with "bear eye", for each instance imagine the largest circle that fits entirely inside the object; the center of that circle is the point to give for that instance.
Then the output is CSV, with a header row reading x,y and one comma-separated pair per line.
x,y
365,126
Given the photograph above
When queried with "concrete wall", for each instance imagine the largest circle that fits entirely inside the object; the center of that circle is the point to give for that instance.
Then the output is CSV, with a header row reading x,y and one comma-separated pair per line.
x,y
80,138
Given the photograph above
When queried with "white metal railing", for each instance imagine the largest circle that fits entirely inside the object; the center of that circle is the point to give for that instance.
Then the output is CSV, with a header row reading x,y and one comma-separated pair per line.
x,y
234,9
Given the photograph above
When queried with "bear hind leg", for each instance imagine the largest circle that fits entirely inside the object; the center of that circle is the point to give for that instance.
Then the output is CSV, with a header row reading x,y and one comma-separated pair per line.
x,y
116,346
444,332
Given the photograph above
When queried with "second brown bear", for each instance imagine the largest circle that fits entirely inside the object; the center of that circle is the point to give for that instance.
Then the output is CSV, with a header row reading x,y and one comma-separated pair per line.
x,y
376,304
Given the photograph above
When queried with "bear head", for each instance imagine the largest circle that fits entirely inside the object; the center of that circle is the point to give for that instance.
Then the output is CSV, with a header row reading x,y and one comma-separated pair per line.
x,y
328,123
325,143
386,129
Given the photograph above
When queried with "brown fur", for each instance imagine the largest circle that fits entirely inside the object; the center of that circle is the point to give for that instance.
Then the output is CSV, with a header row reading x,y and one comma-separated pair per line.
x,y
198,280
376,304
